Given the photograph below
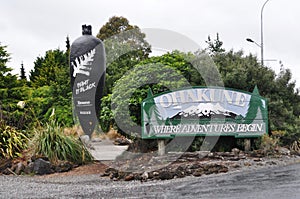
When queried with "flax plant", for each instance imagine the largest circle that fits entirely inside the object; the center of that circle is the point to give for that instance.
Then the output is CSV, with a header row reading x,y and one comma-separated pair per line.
x,y
12,141
50,141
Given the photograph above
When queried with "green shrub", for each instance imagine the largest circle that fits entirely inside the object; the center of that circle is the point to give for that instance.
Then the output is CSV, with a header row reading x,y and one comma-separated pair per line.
x,y
106,115
12,141
197,143
211,143
19,93
269,144
51,142
17,117
292,134
3,93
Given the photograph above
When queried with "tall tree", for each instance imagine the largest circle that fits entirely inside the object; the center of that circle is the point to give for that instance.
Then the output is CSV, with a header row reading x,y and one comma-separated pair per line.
x,y
215,46
12,91
114,26
167,72
50,69
23,74
243,72
125,46
7,80
50,79
68,44
4,58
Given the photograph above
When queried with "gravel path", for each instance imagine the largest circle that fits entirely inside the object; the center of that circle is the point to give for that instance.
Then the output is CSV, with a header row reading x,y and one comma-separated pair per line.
x,y
230,185
86,186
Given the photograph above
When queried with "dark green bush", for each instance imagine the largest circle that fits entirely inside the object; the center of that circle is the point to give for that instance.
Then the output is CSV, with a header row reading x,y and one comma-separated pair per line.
x,y
106,115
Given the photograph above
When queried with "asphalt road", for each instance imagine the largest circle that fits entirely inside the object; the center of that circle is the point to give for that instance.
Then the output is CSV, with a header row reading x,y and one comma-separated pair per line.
x,y
278,182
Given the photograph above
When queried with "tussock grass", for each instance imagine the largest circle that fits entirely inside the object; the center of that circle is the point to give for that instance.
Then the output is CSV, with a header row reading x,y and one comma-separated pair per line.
x,y
50,141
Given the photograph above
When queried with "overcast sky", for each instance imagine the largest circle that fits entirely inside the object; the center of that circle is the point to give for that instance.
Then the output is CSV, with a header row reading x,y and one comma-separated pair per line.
x,y
31,27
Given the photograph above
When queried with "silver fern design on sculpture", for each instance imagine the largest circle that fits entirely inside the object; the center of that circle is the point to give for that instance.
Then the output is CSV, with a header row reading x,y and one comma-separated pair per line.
x,y
82,64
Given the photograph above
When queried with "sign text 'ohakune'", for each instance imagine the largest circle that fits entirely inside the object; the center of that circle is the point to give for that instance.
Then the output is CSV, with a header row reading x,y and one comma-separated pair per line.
x,y
204,111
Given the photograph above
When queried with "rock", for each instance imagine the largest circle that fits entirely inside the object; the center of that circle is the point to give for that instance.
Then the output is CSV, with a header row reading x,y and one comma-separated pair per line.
x,y
242,157
137,177
193,166
198,172
180,172
96,140
20,167
202,154
150,175
4,164
188,171
212,170
85,139
216,156
247,164
223,170
180,168
35,157
129,177
145,175
29,168
111,172
63,167
215,168
206,167
236,166
226,154
257,159
210,155
122,141
113,175
256,154
104,174
122,175
235,151
155,173
235,158
166,175
283,151
41,167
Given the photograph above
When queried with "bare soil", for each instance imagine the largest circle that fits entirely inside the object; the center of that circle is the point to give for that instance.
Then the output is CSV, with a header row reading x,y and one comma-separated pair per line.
x,y
96,167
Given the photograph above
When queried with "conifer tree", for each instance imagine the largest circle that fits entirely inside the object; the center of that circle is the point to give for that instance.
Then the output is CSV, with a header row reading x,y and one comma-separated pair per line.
x,y
23,74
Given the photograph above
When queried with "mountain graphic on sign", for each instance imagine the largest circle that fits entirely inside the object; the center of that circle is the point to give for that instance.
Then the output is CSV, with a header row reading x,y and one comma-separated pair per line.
x,y
204,111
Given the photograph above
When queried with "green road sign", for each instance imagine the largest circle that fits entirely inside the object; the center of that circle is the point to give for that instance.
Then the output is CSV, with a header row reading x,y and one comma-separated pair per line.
x,y
204,111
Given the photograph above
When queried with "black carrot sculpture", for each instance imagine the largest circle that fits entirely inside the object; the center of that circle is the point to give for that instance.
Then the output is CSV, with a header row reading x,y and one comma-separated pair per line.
x,y
87,71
